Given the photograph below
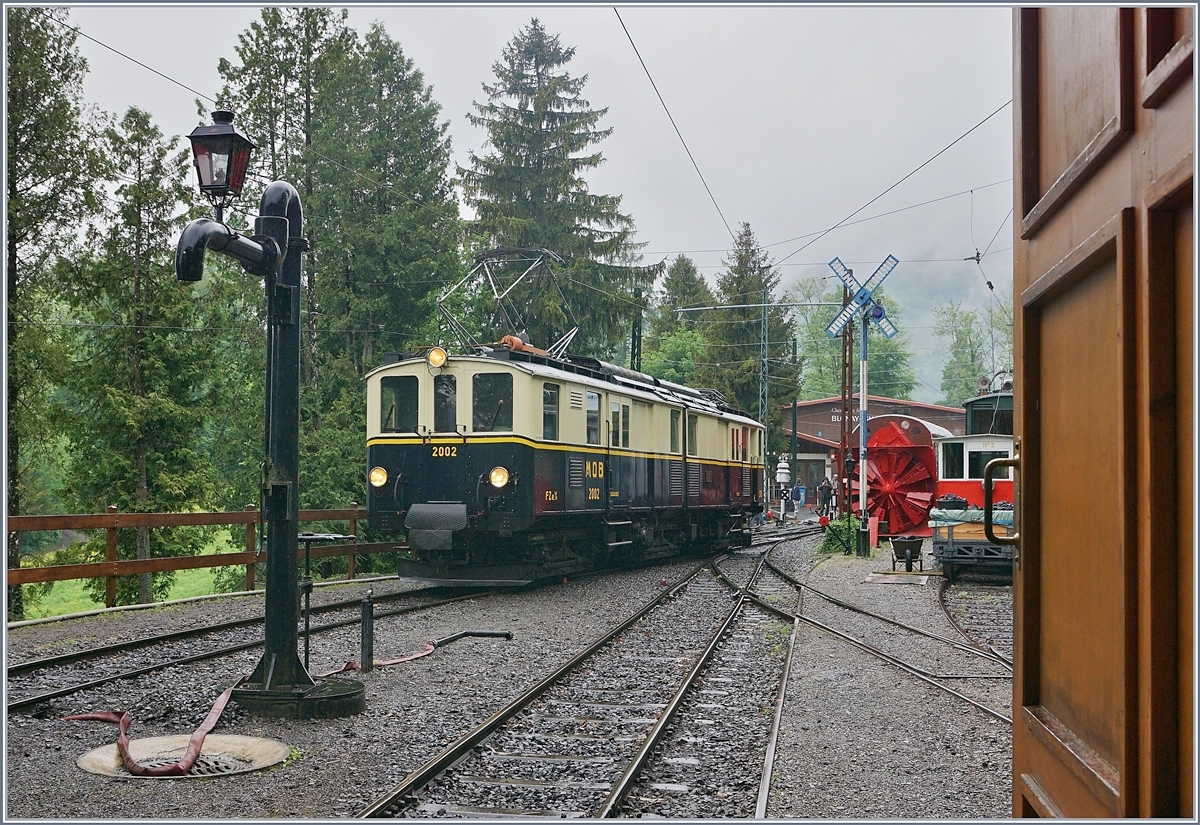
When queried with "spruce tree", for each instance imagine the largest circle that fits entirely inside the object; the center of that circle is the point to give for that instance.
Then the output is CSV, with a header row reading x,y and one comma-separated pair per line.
x,y
735,336
683,287
529,191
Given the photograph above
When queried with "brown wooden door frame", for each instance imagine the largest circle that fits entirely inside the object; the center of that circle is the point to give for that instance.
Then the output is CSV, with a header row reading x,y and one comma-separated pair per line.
x,y
1104,180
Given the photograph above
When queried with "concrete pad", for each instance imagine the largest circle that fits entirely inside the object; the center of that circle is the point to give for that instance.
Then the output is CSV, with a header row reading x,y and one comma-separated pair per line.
x,y
896,578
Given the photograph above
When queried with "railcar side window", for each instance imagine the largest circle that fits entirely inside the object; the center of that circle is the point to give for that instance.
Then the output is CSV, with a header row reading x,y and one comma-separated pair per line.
x,y
674,431
614,430
445,404
593,418
976,461
952,460
550,412
691,435
398,404
493,410
624,425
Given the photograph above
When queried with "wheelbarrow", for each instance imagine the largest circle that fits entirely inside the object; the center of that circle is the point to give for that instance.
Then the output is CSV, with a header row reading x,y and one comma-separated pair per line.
x,y
907,549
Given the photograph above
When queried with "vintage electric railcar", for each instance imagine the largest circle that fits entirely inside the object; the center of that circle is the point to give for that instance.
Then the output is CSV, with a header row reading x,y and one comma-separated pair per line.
x,y
507,465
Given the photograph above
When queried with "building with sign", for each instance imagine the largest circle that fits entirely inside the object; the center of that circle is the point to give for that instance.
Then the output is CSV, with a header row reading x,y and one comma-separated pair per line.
x,y
819,423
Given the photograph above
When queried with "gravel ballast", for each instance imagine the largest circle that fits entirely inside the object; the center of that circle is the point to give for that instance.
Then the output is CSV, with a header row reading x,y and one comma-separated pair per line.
x,y
858,738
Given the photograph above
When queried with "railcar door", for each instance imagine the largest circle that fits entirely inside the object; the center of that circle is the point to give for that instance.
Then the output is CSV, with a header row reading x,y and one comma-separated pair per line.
x,y
1103,305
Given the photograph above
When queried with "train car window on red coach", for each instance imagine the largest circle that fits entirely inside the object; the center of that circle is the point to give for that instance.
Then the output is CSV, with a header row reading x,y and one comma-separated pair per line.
x,y
977,461
952,460
398,404
691,434
674,431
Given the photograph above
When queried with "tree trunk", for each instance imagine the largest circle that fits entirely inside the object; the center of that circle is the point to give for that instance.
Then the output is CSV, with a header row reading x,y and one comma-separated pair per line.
x,y
16,600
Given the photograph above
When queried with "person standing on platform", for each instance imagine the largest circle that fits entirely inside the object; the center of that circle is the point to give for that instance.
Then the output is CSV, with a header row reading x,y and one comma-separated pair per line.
x,y
824,496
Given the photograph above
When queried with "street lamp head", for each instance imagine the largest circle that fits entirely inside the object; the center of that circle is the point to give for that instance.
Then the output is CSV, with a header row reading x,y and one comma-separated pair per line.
x,y
222,157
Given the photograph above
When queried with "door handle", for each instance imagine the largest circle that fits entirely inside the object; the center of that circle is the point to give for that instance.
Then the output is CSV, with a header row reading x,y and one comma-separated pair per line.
x,y
988,472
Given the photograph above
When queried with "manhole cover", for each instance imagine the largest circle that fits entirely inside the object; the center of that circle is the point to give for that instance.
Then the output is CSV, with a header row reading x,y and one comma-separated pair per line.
x,y
220,756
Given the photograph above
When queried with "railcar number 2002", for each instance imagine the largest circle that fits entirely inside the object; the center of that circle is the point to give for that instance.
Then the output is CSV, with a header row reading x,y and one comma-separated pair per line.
x,y
448,451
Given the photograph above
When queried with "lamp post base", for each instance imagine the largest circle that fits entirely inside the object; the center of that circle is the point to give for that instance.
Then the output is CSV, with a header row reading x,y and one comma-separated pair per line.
x,y
328,698
864,541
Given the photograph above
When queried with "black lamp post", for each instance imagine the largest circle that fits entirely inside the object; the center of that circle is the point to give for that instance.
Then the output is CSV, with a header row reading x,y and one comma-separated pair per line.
x,y
280,684
222,158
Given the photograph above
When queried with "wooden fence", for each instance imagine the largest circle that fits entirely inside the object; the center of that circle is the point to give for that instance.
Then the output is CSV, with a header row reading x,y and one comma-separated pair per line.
x,y
112,521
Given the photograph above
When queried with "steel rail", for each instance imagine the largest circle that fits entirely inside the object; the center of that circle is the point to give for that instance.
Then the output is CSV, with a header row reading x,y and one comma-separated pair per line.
x,y
215,653
764,786
625,781
970,647
34,665
389,803
953,623
874,651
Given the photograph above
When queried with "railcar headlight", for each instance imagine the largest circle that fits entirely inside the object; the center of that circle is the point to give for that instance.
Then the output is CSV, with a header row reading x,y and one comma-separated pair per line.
x,y
436,357
377,476
498,477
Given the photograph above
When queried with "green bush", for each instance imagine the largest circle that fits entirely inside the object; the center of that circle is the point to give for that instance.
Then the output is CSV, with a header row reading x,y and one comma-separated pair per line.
x,y
840,535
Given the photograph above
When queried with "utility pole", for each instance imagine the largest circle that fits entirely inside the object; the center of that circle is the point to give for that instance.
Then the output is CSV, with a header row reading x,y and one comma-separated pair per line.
x,y
635,336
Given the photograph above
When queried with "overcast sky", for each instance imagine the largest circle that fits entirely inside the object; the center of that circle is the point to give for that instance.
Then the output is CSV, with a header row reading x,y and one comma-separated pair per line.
x,y
796,116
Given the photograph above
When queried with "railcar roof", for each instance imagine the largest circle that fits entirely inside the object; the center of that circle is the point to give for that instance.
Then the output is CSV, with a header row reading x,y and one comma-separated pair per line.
x,y
593,378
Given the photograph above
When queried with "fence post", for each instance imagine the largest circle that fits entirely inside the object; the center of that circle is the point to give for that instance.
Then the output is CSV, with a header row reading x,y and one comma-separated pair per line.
x,y
354,532
110,555
250,540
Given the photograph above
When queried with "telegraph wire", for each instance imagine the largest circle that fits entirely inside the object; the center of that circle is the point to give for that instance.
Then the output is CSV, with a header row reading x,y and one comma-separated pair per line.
x,y
897,183
259,126
677,132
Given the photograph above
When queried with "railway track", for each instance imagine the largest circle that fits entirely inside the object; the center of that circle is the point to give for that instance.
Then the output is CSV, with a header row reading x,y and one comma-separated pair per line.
x,y
577,743
39,680
892,644
982,613
92,668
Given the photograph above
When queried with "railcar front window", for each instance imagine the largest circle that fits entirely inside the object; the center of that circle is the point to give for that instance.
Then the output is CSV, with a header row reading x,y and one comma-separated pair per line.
x,y
398,404
674,431
614,428
952,460
976,461
550,412
691,435
445,404
593,418
493,402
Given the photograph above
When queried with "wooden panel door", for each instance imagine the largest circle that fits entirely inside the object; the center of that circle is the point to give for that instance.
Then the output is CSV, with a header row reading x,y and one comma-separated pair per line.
x,y
1104,299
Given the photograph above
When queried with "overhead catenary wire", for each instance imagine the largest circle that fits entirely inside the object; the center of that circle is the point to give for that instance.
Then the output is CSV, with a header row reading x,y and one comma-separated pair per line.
x,y
253,125
897,183
675,127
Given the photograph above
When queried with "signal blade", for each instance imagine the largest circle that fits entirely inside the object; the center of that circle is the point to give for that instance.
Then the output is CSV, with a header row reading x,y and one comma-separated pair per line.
x,y
845,275
886,326
885,269
839,322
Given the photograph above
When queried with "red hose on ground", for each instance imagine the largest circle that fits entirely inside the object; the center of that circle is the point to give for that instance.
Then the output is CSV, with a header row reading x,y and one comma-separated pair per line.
x,y
190,756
